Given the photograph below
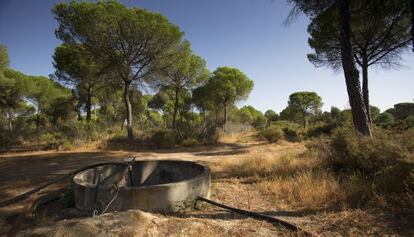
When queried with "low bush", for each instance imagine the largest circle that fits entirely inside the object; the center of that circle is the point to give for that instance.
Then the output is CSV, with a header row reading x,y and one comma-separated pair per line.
x,y
289,131
325,129
189,142
260,122
292,135
272,134
164,139
53,137
5,139
383,163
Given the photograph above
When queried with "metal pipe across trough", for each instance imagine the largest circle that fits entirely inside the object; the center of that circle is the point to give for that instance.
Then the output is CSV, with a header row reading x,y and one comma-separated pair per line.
x,y
149,185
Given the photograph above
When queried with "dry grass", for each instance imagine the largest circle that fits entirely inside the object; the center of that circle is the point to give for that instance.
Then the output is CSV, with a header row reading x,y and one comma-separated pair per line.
x,y
285,174
248,137
305,190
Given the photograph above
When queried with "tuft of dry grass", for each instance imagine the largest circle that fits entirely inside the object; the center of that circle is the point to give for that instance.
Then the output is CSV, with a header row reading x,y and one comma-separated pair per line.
x,y
305,190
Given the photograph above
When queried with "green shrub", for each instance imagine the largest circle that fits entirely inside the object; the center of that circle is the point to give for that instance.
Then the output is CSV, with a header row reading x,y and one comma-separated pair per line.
x,y
259,122
53,137
5,139
86,131
291,131
385,160
188,142
164,139
272,134
291,134
325,129
384,118
409,122
286,124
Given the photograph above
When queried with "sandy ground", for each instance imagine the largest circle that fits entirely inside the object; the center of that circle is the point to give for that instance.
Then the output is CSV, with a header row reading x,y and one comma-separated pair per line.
x,y
20,172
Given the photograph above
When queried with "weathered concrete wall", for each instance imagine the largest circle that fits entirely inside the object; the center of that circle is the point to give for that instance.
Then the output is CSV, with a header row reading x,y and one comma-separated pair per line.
x,y
156,186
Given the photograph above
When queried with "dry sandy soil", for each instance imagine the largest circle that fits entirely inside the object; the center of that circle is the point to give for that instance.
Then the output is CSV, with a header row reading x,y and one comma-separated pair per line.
x,y
20,172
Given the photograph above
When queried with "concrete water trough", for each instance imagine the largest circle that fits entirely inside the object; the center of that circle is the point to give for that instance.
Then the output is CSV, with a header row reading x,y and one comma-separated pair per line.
x,y
149,185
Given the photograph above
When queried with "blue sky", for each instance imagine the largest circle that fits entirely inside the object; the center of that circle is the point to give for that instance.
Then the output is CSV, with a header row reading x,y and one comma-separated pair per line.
x,y
247,34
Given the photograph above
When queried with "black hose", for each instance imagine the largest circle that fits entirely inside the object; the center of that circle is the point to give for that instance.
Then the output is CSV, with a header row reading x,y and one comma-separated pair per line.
x,y
27,194
258,216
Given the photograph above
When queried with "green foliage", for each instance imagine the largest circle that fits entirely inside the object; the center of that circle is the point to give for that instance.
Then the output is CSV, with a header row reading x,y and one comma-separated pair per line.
x,y
14,87
402,125
402,110
119,37
230,85
189,142
272,134
384,118
292,135
188,71
4,58
271,115
57,137
259,122
203,98
371,20
291,131
345,117
164,139
386,160
324,129
375,112
248,114
305,103
335,113
289,114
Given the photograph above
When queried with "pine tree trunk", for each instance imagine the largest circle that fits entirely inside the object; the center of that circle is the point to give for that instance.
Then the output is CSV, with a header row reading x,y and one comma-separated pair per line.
x,y
10,119
37,126
365,90
89,105
78,111
164,118
359,113
304,120
175,109
225,117
128,108
216,119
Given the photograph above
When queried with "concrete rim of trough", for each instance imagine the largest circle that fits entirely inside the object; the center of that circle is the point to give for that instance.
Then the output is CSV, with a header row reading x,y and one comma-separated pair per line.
x,y
206,170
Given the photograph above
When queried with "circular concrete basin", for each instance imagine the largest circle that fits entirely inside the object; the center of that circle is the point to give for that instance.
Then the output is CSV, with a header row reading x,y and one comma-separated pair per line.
x,y
148,185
